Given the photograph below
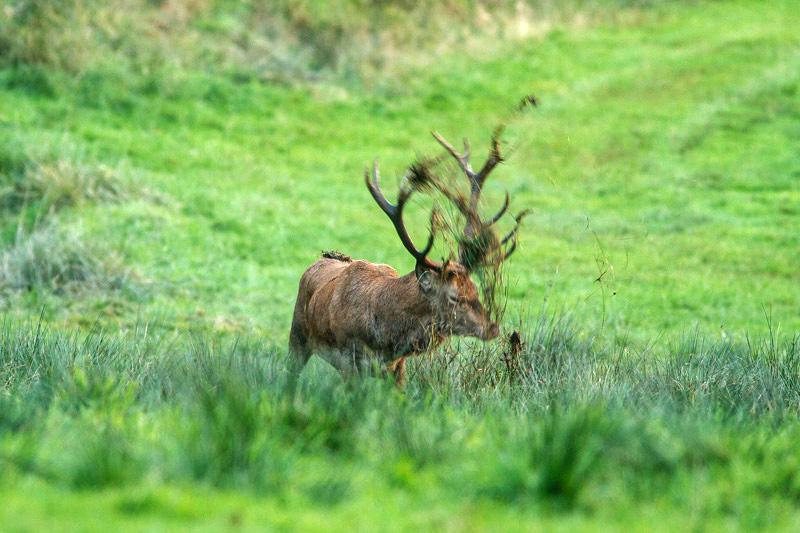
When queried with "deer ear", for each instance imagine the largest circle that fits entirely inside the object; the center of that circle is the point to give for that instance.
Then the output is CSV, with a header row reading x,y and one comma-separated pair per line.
x,y
425,279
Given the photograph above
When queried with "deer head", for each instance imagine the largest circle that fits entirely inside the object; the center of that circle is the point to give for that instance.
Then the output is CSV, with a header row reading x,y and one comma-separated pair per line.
x,y
447,287
454,298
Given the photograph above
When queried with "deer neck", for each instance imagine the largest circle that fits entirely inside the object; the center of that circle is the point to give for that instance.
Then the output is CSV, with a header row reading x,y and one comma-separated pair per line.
x,y
407,314
407,299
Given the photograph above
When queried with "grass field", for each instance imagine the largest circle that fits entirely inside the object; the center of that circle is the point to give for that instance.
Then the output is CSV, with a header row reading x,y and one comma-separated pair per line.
x,y
157,212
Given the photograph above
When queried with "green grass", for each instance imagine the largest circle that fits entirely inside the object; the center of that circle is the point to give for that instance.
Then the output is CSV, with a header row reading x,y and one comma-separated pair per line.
x,y
151,429
154,209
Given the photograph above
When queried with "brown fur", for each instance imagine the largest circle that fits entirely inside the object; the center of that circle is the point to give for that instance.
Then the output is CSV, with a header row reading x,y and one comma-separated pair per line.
x,y
345,310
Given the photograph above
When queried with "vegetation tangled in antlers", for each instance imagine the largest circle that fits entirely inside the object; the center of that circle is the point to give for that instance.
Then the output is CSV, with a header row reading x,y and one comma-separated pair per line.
x,y
480,249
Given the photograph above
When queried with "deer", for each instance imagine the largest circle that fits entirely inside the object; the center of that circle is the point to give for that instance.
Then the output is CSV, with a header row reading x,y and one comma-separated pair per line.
x,y
347,308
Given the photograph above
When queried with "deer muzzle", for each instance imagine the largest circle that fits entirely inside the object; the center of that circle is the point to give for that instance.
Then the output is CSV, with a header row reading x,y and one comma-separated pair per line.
x,y
490,331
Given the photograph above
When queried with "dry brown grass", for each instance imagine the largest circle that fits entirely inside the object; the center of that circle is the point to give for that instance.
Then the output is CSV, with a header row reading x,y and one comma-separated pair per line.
x,y
286,40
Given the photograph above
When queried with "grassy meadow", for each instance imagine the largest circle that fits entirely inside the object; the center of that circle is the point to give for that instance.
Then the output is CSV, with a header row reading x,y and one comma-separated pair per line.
x,y
169,169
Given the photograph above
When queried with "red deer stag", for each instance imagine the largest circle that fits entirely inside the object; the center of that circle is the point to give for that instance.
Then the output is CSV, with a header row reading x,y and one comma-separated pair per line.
x,y
347,307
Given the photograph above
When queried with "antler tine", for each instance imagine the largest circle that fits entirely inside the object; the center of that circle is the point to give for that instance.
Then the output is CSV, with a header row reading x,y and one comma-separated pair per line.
x,y
510,236
395,214
374,186
513,233
495,157
511,250
500,213
502,256
463,159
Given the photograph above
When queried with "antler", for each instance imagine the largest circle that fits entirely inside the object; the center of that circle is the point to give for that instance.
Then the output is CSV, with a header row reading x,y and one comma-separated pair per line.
x,y
476,179
395,214
511,236
476,228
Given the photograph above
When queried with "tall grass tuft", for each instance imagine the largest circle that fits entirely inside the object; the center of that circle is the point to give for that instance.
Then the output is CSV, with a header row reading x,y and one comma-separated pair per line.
x,y
228,440
49,175
59,260
66,183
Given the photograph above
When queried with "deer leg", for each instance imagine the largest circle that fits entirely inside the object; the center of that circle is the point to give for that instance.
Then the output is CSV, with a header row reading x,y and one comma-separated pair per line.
x,y
299,347
398,370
